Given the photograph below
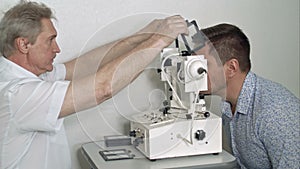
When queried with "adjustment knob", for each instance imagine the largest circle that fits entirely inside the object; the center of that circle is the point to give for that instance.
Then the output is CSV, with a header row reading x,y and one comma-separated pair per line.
x,y
206,114
138,141
132,133
166,110
200,134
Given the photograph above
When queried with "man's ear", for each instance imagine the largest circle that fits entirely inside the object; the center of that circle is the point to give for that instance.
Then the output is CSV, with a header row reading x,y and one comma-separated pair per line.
x,y
22,44
232,66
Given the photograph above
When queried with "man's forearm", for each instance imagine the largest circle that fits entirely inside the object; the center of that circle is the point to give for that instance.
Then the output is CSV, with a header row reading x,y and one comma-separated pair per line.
x,y
112,77
91,61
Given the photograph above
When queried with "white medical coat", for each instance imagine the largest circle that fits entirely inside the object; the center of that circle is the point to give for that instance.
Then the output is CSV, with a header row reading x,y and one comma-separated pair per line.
x,y
31,135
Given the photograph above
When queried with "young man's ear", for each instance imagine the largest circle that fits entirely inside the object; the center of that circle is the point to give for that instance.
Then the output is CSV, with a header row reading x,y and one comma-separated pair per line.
x,y
22,44
232,66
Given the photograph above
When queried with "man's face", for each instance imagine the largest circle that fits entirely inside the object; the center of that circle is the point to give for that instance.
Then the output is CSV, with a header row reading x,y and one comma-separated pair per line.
x,y
216,75
42,53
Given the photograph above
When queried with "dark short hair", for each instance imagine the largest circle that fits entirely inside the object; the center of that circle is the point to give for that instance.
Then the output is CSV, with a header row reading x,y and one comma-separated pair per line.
x,y
230,43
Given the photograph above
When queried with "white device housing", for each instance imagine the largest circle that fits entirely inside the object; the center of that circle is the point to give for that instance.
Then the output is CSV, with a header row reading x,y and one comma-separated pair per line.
x,y
170,137
186,127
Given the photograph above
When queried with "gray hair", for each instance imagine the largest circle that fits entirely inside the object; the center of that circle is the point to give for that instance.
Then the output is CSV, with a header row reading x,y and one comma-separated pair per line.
x,y
22,20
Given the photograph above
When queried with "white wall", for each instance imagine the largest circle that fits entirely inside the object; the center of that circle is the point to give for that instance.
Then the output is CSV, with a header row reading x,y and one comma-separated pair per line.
x,y
271,25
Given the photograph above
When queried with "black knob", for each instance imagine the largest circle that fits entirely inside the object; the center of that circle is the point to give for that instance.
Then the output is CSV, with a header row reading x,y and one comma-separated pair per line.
x,y
132,133
185,53
200,134
166,110
201,70
201,96
206,114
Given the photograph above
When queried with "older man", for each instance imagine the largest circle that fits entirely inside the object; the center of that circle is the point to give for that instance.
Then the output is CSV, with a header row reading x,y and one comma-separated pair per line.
x,y
36,95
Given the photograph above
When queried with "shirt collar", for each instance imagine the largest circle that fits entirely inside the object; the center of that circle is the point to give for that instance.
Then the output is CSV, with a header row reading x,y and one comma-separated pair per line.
x,y
226,109
13,69
246,96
